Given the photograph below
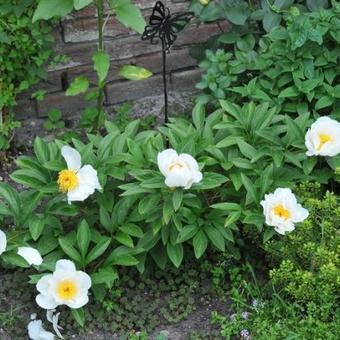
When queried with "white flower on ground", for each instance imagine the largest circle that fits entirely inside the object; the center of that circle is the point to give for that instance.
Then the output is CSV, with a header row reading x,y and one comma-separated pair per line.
x,y
77,181
66,286
323,138
180,170
36,331
3,242
54,319
282,211
31,255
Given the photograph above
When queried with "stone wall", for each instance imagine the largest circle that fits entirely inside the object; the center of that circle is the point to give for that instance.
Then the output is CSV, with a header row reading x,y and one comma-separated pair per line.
x,y
76,37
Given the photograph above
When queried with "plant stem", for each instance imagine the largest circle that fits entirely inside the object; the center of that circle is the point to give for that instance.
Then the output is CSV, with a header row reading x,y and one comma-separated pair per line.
x,y
166,119
100,24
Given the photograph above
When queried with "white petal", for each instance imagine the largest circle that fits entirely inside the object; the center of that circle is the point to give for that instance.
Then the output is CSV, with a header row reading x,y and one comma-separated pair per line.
x,y
79,302
300,214
85,279
46,301
3,242
37,332
31,255
180,178
72,158
164,159
65,265
87,184
197,176
44,283
190,161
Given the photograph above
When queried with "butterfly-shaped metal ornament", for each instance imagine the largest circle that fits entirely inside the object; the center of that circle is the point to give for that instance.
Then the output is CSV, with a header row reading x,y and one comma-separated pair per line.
x,y
163,26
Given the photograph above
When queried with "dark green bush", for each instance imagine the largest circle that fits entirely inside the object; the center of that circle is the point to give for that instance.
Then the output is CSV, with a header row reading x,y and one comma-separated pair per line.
x,y
308,258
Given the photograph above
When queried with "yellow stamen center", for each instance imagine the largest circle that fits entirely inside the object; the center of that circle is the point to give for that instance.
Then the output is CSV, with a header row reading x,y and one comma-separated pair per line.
x,y
67,290
324,138
67,180
176,165
281,211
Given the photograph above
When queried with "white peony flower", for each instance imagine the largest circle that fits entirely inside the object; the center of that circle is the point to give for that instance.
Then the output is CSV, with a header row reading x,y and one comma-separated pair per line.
x,y
78,182
3,242
31,255
323,138
36,331
282,211
179,170
66,286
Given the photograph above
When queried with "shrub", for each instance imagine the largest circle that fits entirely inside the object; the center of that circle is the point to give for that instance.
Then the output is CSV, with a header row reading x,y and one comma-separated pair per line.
x,y
308,259
24,49
295,67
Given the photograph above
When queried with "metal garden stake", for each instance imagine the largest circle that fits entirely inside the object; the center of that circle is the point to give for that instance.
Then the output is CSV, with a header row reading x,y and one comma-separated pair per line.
x,y
164,27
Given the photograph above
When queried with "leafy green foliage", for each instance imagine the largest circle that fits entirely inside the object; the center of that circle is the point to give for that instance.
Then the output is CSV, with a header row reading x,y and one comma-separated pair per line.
x,y
294,67
308,259
54,120
134,72
78,85
24,49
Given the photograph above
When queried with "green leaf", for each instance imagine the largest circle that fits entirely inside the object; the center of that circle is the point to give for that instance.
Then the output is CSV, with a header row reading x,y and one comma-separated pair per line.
x,y
211,180
187,233
69,250
148,203
129,15
177,198
323,102
105,276
175,253
232,218
271,20
48,9
132,230
291,91
14,259
101,62
237,14
227,206
41,150
134,72
36,226
249,185
125,239
105,219
215,237
268,234
11,197
200,243
79,316
83,237
79,85
316,5
97,251
79,4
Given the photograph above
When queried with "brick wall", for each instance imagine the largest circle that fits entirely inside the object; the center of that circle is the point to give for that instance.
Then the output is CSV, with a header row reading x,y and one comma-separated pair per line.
x,y
76,37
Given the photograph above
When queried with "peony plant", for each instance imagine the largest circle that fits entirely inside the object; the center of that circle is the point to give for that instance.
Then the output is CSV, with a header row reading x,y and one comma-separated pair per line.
x,y
158,196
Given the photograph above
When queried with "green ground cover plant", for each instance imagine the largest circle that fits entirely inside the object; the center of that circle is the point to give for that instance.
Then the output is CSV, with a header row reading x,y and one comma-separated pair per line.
x,y
295,67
